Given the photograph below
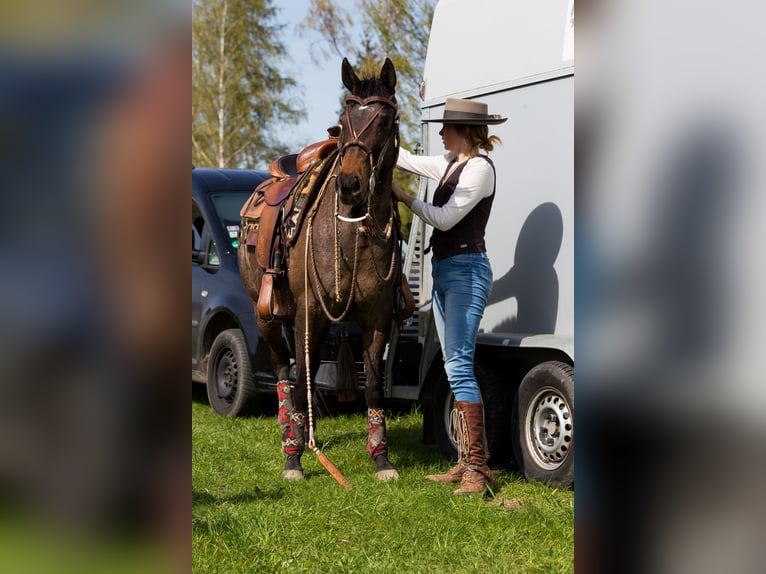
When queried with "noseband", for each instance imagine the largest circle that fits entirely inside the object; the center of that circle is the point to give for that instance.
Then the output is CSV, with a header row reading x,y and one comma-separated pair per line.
x,y
357,142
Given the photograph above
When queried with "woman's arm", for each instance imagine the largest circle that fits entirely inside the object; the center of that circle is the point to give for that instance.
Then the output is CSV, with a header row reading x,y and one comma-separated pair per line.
x,y
476,182
432,166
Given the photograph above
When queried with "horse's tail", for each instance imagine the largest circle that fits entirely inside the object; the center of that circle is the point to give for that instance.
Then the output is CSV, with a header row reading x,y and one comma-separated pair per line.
x,y
347,383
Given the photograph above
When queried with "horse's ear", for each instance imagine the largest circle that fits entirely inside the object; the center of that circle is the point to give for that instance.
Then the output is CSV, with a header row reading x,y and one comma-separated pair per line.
x,y
388,75
350,79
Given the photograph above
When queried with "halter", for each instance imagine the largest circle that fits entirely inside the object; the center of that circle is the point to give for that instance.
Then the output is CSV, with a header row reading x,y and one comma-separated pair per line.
x,y
356,141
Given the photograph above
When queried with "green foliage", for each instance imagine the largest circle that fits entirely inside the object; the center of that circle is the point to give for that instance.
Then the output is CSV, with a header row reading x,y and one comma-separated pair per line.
x,y
245,518
240,99
397,29
400,29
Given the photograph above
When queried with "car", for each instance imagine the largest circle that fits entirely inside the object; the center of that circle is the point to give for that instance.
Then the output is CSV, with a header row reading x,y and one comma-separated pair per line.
x,y
229,355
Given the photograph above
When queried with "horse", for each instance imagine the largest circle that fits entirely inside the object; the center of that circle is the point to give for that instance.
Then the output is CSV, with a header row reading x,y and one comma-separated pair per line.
x,y
343,264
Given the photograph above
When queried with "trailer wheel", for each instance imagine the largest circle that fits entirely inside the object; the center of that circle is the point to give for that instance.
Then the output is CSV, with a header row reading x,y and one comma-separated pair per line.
x,y
230,381
496,404
543,423
443,401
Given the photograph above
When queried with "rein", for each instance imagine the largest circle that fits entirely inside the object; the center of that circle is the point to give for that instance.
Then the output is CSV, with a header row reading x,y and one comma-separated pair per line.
x,y
385,234
357,142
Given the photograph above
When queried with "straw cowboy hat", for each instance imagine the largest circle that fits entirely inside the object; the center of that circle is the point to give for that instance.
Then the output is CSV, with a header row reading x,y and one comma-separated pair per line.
x,y
458,111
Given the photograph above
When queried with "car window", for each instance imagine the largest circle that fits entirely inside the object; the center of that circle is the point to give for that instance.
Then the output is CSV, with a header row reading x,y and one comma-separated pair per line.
x,y
212,255
201,236
228,205
198,224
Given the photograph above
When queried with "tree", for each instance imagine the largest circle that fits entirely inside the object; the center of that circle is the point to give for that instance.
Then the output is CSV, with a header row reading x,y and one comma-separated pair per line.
x,y
239,96
395,28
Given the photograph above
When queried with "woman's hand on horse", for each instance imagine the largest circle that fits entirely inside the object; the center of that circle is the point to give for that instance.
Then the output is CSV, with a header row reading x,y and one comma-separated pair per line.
x,y
402,195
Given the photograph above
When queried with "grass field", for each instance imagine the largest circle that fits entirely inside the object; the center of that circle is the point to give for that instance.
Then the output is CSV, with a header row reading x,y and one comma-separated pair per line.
x,y
245,518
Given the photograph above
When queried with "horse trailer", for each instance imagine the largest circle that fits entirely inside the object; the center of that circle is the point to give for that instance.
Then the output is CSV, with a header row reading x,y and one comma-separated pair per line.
x,y
521,64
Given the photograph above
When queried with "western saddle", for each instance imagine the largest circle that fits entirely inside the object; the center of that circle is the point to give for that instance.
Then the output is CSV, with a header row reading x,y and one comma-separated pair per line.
x,y
274,213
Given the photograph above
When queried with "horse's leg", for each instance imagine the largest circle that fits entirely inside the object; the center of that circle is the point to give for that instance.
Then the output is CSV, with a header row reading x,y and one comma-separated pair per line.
x,y
298,432
377,443
289,419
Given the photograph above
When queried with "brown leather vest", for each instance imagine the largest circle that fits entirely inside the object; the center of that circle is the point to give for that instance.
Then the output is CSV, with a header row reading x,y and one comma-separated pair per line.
x,y
467,236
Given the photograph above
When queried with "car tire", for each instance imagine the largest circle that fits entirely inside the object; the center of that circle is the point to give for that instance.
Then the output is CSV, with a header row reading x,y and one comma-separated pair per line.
x,y
543,424
496,407
230,380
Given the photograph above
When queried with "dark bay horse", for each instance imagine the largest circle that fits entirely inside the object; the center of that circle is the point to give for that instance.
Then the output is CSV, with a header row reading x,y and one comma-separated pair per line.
x,y
343,265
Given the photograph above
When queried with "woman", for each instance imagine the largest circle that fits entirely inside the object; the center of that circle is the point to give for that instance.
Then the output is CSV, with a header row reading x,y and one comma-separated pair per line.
x,y
462,276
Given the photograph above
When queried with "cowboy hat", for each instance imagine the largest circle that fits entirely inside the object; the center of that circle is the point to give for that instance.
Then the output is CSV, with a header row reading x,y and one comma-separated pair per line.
x,y
457,111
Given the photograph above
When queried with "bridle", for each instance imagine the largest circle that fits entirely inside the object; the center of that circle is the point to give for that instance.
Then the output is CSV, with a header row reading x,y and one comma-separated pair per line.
x,y
372,228
357,141
309,246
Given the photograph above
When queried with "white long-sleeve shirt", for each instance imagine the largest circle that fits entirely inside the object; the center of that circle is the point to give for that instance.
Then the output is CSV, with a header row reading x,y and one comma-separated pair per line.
x,y
476,182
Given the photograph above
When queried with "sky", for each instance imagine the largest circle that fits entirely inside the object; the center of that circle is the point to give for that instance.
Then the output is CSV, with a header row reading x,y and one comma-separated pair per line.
x,y
320,84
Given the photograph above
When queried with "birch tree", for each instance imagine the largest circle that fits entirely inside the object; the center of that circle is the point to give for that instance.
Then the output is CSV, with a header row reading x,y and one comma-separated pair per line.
x,y
240,99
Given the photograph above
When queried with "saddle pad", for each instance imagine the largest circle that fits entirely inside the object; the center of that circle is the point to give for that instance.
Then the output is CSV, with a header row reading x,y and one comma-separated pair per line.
x,y
305,194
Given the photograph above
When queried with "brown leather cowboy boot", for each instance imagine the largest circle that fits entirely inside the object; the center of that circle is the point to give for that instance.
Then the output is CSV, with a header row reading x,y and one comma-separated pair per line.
x,y
293,443
476,475
455,474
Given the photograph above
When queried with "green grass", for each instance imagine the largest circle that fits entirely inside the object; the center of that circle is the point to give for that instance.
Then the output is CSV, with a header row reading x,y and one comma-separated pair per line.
x,y
245,518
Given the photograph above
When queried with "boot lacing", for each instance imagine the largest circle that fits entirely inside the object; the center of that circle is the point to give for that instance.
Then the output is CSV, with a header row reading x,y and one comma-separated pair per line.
x,y
459,428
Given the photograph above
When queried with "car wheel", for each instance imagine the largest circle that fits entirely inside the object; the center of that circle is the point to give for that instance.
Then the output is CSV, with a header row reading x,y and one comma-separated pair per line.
x,y
543,423
230,381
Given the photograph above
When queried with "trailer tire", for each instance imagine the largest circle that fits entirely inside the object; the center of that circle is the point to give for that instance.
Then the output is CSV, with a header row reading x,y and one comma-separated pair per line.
x,y
442,406
543,423
496,405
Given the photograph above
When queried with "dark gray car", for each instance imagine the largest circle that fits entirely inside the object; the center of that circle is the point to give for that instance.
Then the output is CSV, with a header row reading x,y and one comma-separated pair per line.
x,y
228,353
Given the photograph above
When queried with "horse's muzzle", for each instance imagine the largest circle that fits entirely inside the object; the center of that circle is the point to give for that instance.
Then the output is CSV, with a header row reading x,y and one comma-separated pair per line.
x,y
350,189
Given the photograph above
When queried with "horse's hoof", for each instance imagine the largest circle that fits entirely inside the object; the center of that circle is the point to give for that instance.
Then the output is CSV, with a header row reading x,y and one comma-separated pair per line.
x,y
292,474
386,475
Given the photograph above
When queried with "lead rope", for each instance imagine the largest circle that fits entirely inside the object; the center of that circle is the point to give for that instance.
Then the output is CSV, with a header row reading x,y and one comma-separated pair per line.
x,y
331,468
306,356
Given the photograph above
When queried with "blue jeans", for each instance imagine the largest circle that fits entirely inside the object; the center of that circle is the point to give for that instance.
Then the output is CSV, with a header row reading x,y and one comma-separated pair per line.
x,y
461,286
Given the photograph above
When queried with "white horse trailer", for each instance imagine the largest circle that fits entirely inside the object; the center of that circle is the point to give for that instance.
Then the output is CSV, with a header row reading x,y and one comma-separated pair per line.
x,y
518,57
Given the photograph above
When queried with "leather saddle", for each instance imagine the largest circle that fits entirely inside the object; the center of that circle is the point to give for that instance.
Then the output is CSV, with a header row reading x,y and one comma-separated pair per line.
x,y
274,213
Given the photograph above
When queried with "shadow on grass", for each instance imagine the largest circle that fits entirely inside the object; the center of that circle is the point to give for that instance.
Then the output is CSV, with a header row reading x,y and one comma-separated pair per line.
x,y
205,498
405,446
199,394
264,404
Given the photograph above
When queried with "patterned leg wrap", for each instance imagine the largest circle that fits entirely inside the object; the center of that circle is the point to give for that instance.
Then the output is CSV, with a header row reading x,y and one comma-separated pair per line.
x,y
293,439
377,445
376,433
285,397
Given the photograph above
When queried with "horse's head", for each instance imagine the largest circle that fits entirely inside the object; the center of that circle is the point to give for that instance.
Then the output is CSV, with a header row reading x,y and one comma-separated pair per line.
x,y
369,139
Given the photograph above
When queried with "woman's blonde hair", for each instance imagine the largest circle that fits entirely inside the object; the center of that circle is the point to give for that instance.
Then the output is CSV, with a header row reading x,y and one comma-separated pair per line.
x,y
478,136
